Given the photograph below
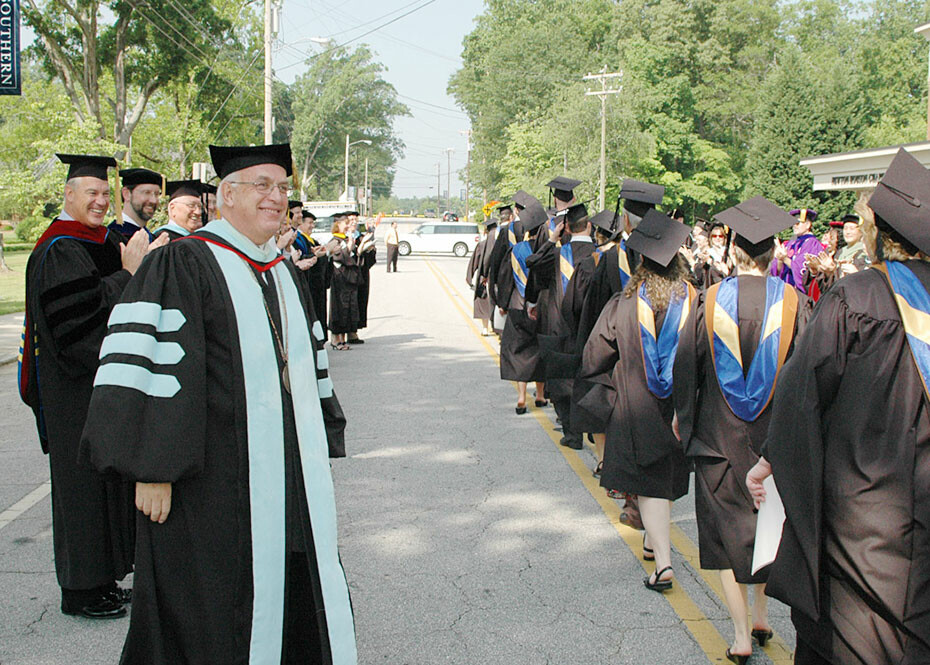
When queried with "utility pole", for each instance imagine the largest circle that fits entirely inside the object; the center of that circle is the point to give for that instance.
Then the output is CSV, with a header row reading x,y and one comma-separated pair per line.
x,y
449,152
269,32
438,192
467,134
365,194
604,76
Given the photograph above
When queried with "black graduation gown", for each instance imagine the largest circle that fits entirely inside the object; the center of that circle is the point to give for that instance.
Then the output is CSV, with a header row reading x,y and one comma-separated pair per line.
x,y
366,260
125,230
193,586
849,444
71,286
722,446
493,268
344,298
641,454
519,343
481,304
559,343
605,282
319,278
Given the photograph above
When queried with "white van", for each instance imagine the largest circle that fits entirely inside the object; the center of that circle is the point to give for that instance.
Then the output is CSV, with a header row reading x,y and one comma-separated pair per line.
x,y
456,237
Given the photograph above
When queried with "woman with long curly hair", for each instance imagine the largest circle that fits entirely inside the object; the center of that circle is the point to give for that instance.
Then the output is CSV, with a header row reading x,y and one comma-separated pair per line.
x,y
626,383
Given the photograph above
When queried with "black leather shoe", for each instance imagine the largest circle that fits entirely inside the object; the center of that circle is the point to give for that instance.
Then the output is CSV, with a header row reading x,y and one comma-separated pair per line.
x,y
356,341
573,443
102,608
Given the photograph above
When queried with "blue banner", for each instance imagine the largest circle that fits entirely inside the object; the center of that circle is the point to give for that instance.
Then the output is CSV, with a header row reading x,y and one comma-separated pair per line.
x,y
11,77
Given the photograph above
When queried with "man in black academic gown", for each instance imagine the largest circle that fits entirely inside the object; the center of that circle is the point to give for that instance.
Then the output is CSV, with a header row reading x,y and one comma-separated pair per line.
x,y
226,422
849,445
185,208
551,269
74,277
141,190
366,256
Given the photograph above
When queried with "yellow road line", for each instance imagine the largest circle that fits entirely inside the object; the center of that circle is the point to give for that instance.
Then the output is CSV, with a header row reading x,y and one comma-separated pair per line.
x,y
776,648
701,628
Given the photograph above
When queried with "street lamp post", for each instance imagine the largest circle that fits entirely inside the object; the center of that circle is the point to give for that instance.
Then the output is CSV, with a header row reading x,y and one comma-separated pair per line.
x,y
349,145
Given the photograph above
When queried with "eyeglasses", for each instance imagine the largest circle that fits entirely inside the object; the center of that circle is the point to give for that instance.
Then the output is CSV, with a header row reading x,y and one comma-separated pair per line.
x,y
264,187
192,206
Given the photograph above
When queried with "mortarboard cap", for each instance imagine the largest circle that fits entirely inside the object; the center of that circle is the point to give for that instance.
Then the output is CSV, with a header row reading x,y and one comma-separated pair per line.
x,y
177,188
208,188
520,199
755,223
804,214
132,177
658,237
229,159
562,187
575,213
533,216
643,192
295,204
607,221
94,166
851,219
836,224
502,208
899,199
306,214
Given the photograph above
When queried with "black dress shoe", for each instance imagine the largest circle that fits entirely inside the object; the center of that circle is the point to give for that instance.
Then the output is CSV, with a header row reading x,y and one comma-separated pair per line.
x,y
356,341
571,442
102,608
119,595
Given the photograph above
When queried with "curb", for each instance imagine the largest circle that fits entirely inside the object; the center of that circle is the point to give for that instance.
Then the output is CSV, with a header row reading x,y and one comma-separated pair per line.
x,y
9,359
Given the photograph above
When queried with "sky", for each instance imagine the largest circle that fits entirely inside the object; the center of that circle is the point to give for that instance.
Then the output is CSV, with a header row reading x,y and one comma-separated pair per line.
x,y
420,51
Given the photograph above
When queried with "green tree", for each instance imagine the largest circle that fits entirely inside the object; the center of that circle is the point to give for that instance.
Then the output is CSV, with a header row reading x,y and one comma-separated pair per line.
x,y
113,57
342,92
805,108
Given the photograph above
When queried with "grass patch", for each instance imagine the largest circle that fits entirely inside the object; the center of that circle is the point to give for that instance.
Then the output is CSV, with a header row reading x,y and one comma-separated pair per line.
x,y
13,284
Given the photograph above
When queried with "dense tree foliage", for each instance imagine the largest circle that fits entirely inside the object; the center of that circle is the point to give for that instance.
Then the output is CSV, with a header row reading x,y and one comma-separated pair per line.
x,y
342,92
720,100
154,82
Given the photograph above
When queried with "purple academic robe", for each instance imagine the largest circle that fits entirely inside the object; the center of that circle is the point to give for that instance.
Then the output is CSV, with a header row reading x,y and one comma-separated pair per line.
x,y
797,248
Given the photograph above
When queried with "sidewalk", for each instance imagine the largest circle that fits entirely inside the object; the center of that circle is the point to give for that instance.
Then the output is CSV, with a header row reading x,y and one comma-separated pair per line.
x,y
11,332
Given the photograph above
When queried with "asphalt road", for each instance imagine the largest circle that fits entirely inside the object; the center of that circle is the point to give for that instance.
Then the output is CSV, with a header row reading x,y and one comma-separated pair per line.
x,y
468,535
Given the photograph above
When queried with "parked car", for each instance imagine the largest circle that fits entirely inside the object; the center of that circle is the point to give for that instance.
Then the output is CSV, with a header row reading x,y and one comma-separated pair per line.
x,y
455,237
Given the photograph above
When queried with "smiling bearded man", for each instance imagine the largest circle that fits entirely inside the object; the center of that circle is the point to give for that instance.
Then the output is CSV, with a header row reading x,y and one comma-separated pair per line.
x,y
208,355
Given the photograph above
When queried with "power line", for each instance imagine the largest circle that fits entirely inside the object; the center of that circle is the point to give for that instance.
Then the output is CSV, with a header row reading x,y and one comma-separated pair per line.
x,y
365,34
420,101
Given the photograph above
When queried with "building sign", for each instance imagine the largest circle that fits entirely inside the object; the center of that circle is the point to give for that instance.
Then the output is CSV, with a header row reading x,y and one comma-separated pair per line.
x,y
10,72
858,181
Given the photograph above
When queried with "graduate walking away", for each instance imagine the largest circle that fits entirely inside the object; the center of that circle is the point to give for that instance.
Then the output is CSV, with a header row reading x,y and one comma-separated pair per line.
x,y
74,277
626,382
731,350
227,421
849,445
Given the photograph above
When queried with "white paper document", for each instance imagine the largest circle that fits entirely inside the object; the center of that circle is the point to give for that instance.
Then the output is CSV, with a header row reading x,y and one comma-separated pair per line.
x,y
499,319
769,523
